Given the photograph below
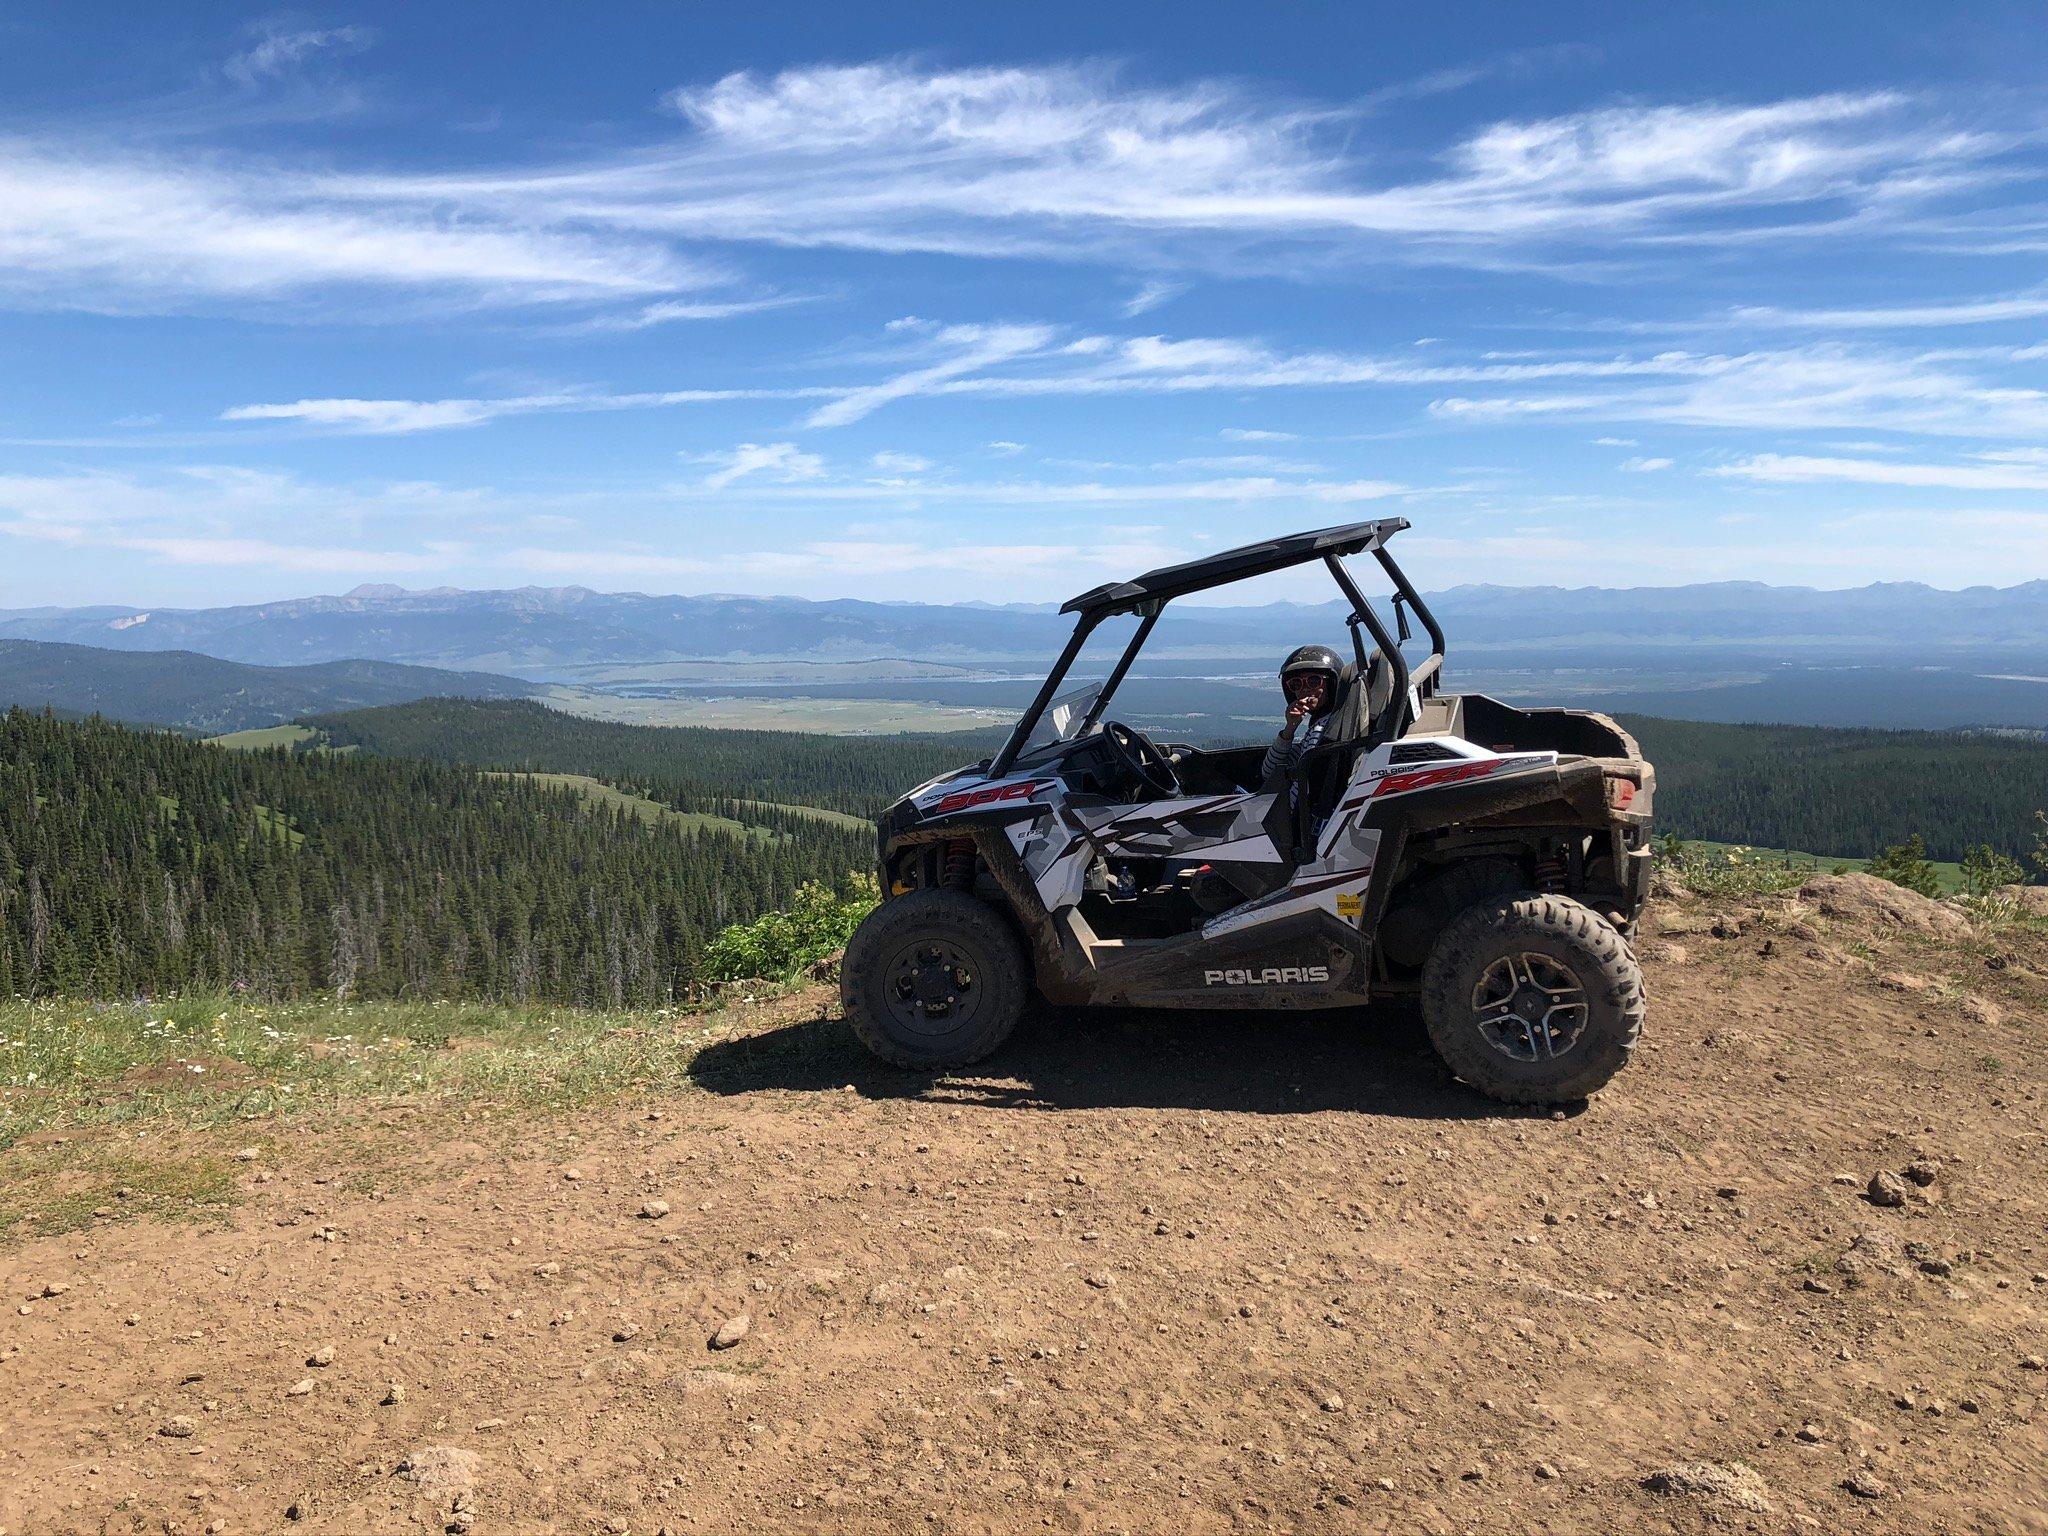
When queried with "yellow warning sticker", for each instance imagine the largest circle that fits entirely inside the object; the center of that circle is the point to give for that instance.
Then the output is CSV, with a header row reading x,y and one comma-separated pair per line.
x,y
1350,904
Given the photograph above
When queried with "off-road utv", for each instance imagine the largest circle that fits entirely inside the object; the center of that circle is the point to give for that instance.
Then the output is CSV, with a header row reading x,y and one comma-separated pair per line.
x,y
1483,859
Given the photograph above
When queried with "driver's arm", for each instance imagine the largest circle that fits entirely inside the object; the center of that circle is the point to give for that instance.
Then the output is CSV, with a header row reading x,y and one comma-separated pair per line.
x,y
1282,756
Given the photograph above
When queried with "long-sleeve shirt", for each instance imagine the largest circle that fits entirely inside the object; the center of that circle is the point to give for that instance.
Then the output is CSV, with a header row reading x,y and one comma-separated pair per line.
x,y
1285,755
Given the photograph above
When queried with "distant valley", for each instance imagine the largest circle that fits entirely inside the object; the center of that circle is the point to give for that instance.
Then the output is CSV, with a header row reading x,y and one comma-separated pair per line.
x,y
1893,654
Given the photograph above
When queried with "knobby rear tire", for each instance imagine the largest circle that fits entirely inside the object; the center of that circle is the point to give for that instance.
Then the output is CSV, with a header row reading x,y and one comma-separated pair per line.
x,y
1563,930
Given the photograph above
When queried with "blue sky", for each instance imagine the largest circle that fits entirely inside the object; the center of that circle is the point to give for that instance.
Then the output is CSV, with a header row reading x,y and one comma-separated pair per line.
x,y
992,303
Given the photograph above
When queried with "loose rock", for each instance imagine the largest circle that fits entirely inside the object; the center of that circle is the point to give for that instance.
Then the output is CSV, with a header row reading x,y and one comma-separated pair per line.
x,y
1734,1483
1886,1189
1863,1485
653,1210
731,1331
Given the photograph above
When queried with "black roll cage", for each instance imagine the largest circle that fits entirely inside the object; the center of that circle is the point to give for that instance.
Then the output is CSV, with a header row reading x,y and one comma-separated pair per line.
x,y
1147,597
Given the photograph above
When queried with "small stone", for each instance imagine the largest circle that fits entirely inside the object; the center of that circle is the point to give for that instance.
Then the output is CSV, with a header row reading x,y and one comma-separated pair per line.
x,y
1332,1402
246,1155
177,1427
624,1332
323,1356
572,1175
1102,1280
1937,1266
299,1388
296,1510
1384,1484
1818,1287
55,1288
2032,1363
653,1210
1809,1434
1727,1191
731,1331
1923,1171
394,1394
1863,1485
1546,1471
1886,1189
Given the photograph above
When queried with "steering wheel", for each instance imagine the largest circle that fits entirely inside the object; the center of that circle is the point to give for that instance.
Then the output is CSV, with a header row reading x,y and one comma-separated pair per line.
x,y
1140,759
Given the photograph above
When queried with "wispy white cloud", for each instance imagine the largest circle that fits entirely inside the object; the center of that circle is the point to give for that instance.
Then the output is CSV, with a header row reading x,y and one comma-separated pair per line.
x,y
224,515
2021,306
670,311
974,347
278,50
1059,160
2015,472
115,234
1645,466
1151,296
892,463
1258,435
1233,489
1826,386
781,462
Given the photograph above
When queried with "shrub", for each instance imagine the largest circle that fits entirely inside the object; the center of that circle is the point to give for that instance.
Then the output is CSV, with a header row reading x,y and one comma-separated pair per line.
x,y
1907,864
1731,871
778,946
1986,874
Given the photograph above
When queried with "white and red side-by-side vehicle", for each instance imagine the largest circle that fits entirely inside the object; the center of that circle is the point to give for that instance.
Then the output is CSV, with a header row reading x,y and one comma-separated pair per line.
x,y
1486,860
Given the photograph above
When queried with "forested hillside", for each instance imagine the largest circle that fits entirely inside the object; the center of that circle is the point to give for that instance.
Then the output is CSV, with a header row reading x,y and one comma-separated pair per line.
x,y
146,862
203,693
1844,792
691,767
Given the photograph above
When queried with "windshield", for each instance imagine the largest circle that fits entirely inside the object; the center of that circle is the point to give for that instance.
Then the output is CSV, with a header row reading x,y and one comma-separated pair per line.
x,y
1063,716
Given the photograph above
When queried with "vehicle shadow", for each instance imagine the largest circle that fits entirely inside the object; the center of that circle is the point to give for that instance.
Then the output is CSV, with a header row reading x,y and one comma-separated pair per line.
x,y
1070,1059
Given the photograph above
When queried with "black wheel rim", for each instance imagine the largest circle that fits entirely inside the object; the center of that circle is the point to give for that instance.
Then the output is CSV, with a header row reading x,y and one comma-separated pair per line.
x,y
1531,1007
932,986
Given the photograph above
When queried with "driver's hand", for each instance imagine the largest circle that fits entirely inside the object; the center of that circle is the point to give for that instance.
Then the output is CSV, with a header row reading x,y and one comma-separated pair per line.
x,y
1297,712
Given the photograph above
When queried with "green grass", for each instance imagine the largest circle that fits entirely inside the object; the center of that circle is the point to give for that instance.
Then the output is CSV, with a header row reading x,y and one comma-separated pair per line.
x,y
263,737
597,792
741,711
1950,875
68,1066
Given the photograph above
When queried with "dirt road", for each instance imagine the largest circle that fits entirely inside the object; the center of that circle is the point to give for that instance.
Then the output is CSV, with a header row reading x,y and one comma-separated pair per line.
x,y
1144,1275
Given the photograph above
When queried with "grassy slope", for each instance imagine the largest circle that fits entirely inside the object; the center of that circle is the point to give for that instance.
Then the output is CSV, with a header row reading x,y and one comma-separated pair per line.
x,y
261,738
597,792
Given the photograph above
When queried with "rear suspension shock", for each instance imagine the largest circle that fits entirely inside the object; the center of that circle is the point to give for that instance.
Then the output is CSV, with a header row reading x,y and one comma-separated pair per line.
x,y
1550,871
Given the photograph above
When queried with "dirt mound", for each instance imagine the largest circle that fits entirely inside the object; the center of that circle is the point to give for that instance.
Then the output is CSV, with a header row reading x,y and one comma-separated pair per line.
x,y
1875,903
1140,1272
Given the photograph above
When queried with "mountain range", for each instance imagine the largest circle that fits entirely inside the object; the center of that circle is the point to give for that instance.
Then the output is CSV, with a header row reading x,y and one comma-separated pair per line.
x,y
550,632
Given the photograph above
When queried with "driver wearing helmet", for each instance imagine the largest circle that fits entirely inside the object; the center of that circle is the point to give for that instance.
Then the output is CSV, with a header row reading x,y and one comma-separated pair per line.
x,y
1309,680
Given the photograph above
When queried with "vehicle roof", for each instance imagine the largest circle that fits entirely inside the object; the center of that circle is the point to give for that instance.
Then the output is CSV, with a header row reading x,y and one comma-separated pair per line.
x,y
1248,560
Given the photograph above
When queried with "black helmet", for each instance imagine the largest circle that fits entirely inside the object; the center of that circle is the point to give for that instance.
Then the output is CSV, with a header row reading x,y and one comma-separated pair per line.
x,y
1311,658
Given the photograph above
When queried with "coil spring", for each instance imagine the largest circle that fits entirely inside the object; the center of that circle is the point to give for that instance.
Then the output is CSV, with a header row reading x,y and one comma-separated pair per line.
x,y
959,875
1550,873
